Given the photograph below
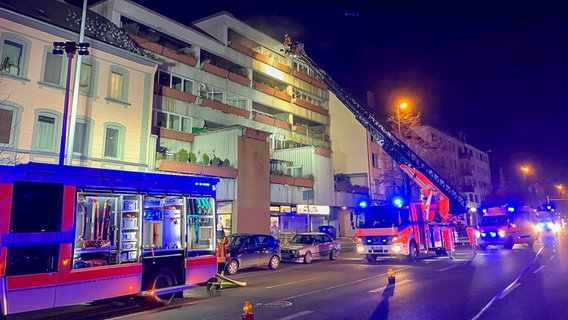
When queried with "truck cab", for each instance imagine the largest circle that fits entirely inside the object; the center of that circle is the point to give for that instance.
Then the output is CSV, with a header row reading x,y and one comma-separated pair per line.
x,y
507,226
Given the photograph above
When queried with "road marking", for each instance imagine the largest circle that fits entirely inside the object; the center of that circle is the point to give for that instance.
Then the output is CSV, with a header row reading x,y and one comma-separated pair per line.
x,y
395,283
509,290
551,257
537,270
296,315
289,283
448,268
498,295
339,285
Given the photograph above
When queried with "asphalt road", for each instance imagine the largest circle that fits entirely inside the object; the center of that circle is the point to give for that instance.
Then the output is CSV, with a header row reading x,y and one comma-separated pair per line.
x,y
522,283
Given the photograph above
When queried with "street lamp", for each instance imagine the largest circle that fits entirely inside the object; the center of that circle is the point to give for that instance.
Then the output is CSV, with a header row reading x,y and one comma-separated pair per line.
x,y
559,187
403,105
70,48
525,170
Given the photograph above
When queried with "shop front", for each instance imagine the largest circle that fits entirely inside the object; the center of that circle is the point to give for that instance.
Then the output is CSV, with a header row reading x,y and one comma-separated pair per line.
x,y
286,221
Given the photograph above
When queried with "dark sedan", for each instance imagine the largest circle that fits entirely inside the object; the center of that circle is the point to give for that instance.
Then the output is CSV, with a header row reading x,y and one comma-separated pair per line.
x,y
252,250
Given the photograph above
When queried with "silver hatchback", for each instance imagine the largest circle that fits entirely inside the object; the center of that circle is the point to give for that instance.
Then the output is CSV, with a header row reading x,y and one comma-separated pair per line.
x,y
306,246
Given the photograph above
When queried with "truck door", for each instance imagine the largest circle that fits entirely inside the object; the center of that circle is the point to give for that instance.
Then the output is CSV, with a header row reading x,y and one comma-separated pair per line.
x,y
36,240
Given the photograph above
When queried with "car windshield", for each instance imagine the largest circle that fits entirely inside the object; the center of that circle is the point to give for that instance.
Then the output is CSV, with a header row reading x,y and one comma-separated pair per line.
x,y
235,241
302,239
498,220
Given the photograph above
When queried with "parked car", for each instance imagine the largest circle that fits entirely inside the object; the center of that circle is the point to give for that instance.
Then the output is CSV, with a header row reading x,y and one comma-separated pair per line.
x,y
252,250
306,246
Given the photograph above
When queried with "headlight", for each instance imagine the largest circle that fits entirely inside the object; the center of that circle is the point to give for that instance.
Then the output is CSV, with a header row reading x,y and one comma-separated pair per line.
x,y
538,227
396,248
360,249
502,233
296,252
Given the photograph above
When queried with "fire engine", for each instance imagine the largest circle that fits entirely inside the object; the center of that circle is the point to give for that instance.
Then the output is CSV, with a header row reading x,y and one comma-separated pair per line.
x,y
71,234
506,226
427,228
395,230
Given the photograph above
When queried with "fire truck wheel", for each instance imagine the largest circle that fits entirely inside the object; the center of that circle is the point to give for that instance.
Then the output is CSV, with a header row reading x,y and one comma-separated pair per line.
x,y
308,258
412,252
510,243
232,267
163,278
274,263
371,257
333,254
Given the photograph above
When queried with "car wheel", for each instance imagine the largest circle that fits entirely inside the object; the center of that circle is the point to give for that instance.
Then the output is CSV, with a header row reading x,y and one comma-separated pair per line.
x,y
232,267
530,243
412,252
274,263
308,258
333,254
371,257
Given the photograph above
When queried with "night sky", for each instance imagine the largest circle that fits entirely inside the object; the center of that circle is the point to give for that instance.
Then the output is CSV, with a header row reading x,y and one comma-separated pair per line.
x,y
494,70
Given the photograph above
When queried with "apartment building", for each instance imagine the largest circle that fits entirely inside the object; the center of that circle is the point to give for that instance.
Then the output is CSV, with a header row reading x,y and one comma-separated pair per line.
x,y
463,165
114,100
228,102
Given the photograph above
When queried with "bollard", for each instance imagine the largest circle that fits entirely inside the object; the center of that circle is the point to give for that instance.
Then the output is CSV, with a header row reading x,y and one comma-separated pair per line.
x,y
247,311
472,239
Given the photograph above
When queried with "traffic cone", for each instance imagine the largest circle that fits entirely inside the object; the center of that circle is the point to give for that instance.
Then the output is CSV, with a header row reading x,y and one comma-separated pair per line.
x,y
247,311
390,274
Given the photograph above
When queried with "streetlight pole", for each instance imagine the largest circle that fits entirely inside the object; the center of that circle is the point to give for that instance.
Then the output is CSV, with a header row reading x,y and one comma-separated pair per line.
x,y
70,48
401,106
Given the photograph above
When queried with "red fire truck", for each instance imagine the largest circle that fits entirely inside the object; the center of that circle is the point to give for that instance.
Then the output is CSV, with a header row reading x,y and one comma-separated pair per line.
x,y
73,234
392,229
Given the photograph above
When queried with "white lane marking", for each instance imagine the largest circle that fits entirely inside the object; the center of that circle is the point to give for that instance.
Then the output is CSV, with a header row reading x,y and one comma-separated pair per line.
x,y
289,283
296,315
540,268
509,290
490,303
382,289
338,286
448,268
551,257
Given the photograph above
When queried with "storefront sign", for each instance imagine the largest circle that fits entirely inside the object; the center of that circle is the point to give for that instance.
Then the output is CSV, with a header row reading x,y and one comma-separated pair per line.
x,y
285,209
313,209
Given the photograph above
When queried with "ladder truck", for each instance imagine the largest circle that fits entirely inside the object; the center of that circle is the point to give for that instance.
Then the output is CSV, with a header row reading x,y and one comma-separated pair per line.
x,y
439,195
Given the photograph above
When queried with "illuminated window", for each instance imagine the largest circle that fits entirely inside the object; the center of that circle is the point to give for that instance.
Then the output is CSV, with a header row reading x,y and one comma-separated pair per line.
x,y
118,84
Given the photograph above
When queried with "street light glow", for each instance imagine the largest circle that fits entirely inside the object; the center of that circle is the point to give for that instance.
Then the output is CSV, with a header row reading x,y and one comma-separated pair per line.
x,y
403,105
525,169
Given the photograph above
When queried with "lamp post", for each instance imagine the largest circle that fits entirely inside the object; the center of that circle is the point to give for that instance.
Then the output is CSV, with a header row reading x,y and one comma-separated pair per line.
x,y
70,48
403,105
525,170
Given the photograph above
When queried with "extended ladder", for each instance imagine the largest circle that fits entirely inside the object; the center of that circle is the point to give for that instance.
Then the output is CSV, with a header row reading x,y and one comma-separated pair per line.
x,y
393,146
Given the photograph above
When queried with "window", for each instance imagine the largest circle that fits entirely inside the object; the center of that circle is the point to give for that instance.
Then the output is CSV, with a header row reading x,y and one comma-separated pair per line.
x,y
168,80
375,160
118,84
7,123
173,121
44,136
81,139
116,80
53,71
112,142
236,101
12,56
85,81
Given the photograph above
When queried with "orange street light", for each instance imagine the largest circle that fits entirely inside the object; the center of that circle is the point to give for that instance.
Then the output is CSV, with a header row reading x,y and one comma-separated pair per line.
x,y
525,170
403,105
559,187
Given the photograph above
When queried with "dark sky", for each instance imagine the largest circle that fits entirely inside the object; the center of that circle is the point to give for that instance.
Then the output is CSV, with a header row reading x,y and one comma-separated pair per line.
x,y
494,70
